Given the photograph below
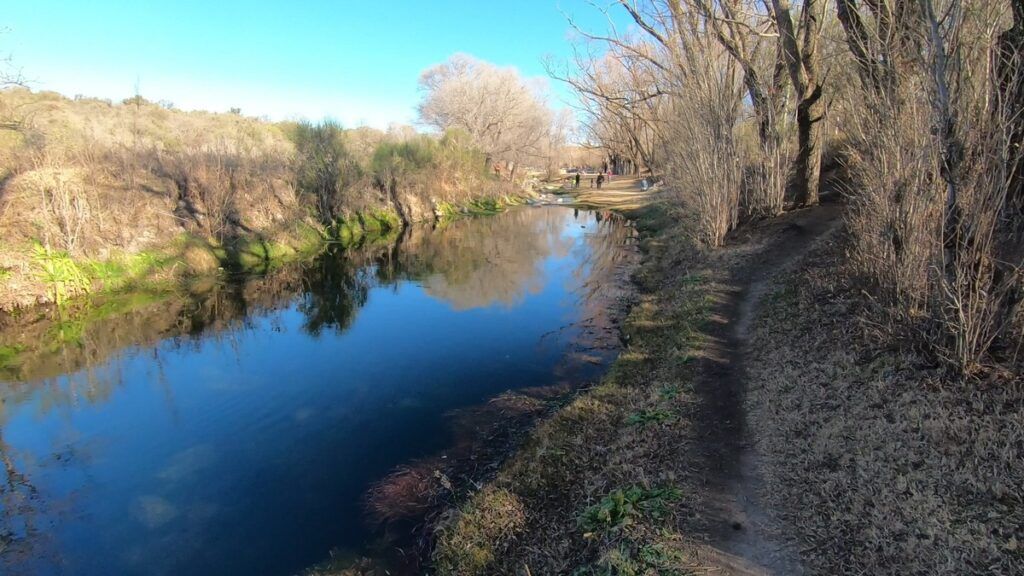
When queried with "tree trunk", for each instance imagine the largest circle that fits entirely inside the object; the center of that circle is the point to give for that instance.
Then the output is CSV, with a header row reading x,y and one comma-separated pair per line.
x,y
807,168
803,61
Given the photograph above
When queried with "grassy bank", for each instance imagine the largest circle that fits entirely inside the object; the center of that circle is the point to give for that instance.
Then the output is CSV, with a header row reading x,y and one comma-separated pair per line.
x,y
860,454
601,487
137,191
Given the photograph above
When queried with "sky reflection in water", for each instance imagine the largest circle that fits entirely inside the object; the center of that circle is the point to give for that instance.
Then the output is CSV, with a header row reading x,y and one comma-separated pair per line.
x,y
235,432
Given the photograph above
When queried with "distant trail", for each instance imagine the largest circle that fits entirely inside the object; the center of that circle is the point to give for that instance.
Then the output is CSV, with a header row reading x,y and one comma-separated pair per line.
x,y
744,535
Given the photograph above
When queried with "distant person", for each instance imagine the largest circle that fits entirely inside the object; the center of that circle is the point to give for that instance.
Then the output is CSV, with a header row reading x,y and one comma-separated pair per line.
x,y
600,180
577,183
644,185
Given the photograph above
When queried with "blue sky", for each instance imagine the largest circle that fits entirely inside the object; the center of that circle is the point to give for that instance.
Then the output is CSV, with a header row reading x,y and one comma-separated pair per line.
x,y
357,62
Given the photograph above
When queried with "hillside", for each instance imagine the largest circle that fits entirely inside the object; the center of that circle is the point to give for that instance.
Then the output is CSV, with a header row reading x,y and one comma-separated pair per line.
x,y
95,194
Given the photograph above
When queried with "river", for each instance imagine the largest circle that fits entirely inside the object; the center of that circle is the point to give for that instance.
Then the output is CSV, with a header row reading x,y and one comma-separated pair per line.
x,y
237,430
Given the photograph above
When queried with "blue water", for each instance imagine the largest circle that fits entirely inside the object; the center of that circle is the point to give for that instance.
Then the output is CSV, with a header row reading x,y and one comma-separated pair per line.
x,y
238,434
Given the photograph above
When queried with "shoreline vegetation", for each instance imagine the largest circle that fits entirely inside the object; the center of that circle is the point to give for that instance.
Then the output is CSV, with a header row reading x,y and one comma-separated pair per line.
x,y
101,198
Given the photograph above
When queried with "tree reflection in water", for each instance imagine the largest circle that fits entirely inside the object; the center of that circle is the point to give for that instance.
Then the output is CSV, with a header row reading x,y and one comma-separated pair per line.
x,y
63,363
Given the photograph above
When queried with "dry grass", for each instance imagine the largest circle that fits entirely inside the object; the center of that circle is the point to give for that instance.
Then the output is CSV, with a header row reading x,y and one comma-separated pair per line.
x,y
875,461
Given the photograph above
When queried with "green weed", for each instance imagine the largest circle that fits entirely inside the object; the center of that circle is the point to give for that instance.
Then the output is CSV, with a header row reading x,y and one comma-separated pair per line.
x,y
645,417
623,506
669,392
627,560
10,356
59,272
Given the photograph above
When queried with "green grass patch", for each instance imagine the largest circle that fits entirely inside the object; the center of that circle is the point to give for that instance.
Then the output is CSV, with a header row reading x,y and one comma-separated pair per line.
x,y
631,559
645,417
126,269
61,274
10,358
623,507
467,546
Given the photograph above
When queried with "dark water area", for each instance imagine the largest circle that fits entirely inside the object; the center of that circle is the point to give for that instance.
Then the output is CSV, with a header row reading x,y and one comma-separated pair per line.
x,y
237,430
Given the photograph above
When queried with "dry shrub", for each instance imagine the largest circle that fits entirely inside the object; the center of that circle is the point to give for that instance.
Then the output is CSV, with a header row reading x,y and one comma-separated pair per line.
x,y
895,201
468,542
766,193
409,492
933,162
702,156
63,200
215,184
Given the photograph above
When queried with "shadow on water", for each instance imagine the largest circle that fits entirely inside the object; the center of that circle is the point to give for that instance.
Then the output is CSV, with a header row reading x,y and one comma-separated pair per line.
x,y
253,412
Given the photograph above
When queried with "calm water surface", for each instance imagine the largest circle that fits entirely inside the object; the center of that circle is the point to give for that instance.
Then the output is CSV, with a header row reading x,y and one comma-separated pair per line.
x,y
236,431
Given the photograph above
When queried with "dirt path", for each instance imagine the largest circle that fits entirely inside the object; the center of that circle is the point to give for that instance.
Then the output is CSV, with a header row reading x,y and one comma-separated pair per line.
x,y
743,534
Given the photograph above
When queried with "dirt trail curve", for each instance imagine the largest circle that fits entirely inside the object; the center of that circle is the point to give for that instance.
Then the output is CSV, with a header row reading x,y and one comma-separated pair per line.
x,y
743,536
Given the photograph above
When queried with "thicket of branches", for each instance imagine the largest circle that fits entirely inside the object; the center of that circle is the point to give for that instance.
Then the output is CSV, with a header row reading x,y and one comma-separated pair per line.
x,y
737,103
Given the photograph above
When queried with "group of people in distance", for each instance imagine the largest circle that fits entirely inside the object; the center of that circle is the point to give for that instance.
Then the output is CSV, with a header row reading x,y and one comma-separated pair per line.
x,y
604,174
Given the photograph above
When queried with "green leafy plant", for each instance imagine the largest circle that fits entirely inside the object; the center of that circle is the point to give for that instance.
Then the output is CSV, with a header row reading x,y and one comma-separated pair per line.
x,y
621,507
645,417
60,272
670,392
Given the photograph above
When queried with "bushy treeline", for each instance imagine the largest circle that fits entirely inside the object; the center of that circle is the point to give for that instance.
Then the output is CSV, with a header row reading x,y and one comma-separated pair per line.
x,y
917,109
95,180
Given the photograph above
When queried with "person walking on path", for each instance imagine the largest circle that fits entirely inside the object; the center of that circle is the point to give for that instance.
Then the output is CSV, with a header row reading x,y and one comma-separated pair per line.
x,y
577,182
600,180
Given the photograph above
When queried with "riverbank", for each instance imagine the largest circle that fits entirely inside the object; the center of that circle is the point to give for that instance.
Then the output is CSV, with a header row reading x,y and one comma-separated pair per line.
x,y
96,196
145,297
755,425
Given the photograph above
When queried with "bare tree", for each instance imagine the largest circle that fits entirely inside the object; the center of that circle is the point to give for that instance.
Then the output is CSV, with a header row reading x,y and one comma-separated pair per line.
x,y
502,113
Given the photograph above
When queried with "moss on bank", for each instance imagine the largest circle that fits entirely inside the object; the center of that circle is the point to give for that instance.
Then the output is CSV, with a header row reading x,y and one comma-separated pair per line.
x,y
371,226
58,277
447,211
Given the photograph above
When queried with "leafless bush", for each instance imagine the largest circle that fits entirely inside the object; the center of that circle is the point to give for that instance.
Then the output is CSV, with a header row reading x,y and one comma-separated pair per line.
x,y
895,196
934,163
64,202
210,180
766,192
702,158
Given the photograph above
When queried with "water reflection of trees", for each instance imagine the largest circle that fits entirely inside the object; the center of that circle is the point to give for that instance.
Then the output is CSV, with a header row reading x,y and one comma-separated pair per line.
x,y
486,261
335,288
469,263
65,361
